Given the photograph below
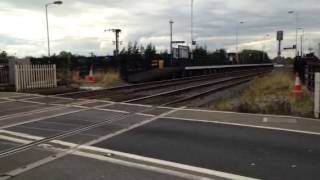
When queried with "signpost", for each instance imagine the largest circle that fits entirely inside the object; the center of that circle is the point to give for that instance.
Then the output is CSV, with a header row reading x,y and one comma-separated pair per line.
x,y
279,39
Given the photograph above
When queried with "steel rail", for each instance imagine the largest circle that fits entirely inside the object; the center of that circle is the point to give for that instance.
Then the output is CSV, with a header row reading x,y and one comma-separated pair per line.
x,y
186,89
153,84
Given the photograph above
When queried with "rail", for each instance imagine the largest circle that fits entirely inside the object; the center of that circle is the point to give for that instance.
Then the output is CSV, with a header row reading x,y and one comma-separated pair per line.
x,y
226,66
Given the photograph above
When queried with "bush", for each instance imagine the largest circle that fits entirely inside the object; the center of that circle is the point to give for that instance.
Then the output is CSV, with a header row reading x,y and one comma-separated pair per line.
x,y
273,95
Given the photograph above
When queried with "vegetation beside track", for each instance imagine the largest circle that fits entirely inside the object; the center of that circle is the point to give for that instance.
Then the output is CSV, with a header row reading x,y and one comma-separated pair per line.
x,y
271,94
106,79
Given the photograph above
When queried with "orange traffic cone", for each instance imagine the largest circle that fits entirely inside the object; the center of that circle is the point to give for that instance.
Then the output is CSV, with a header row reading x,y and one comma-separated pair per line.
x,y
298,91
91,79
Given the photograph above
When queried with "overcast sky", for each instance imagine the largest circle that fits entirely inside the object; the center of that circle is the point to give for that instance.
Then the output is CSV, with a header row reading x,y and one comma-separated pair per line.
x,y
78,25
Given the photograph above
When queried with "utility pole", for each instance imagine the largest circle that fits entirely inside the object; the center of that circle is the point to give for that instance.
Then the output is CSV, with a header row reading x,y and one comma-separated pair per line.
x,y
237,40
117,33
191,30
297,19
171,44
301,41
264,47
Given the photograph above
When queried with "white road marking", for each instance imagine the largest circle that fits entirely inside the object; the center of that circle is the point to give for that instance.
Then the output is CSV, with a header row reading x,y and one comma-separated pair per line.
x,y
15,140
112,110
5,101
279,120
32,102
244,125
134,157
29,113
35,96
21,135
139,105
143,114
40,119
141,166
76,148
171,164
257,115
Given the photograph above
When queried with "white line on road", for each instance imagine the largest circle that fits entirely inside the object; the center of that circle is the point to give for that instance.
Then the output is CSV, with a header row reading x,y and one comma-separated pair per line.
x,y
141,166
38,111
257,115
76,148
135,158
15,140
42,118
244,125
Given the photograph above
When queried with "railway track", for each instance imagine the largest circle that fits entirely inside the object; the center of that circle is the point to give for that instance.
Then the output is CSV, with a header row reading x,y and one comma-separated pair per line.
x,y
140,91
172,98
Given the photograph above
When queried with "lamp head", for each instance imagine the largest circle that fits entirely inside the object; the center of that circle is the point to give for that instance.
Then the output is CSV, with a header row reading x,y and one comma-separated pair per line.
x,y
58,2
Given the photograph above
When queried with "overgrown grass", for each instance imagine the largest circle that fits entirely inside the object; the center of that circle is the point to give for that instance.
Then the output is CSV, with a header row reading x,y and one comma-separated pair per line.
x,y
108,79
270,95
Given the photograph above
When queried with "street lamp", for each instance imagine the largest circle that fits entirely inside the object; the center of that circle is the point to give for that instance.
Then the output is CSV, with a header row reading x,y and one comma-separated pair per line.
x,y
191,29
264,46
47,20
296,13
171,46
237,40
302,41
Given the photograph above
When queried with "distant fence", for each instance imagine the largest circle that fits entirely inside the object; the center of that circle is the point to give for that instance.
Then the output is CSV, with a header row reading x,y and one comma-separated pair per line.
x,y
35,77
4,74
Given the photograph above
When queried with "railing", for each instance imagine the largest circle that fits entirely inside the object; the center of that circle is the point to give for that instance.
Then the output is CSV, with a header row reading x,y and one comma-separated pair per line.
x,y
35,77
4,74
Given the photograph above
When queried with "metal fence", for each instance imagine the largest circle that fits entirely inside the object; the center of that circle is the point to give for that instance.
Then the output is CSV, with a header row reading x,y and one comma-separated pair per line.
x,y
35,77
4,74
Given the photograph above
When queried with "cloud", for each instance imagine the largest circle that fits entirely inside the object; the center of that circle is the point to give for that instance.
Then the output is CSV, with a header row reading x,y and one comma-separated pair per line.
x,y
78,25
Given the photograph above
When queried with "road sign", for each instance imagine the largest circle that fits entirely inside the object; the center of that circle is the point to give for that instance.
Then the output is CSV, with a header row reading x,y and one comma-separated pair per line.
x,y
279,35
183,52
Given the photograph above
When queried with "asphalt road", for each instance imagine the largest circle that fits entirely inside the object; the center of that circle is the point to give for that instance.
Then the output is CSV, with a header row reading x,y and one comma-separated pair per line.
x,y
251,152
238,149
78,168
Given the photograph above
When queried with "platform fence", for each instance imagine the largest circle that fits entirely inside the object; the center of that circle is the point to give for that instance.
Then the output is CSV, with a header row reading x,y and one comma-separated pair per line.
x,y
29,77
4,74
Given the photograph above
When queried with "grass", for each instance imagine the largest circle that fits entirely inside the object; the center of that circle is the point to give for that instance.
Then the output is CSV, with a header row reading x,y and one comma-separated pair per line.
x,y
271,94
108,79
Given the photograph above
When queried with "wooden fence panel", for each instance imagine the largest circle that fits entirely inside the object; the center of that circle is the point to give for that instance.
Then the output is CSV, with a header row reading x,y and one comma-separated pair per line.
x,y
35,77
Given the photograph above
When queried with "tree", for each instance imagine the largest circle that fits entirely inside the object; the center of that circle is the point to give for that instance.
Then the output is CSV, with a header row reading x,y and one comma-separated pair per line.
x,y
3,54
150,52
253,56
219,57
200,52
65,54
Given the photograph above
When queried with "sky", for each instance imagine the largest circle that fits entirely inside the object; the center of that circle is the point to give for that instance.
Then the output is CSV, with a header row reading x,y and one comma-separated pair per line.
x,y
78,25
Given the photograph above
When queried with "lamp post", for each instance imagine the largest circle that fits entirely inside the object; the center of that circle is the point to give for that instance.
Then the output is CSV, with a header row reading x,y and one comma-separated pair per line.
x,y
264,46
237,40
296,15
47,20
302,41
191,29
171,48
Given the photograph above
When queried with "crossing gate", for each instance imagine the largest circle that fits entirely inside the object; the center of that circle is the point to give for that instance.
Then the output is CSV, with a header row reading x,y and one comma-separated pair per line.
x,y
4,74
35,77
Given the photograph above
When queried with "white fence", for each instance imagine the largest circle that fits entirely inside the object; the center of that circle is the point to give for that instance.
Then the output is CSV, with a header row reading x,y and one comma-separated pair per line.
x,y
4,74
35,77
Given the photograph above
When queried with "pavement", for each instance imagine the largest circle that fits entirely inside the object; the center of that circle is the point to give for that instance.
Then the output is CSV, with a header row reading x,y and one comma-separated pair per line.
x,y
63,138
